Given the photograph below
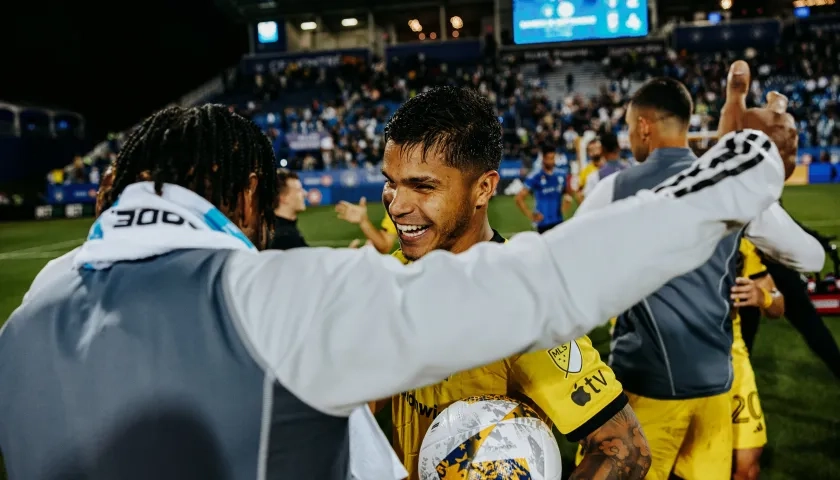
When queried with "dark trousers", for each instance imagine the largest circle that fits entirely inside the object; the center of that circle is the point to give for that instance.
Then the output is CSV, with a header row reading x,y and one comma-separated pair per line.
x,y
801,313
544,228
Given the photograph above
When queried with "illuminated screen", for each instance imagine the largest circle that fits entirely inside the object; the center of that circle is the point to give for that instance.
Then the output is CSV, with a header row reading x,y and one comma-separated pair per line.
x,y
267,32
545,21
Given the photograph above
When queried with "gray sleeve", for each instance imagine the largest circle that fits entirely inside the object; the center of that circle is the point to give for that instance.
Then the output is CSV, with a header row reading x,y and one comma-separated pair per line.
x,y
343,327
776,234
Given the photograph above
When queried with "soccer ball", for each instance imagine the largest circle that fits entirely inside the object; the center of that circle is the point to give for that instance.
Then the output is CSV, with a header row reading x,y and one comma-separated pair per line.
x,y
489,437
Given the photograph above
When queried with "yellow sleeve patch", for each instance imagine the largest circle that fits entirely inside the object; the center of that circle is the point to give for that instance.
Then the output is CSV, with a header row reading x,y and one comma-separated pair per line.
x,y
569,383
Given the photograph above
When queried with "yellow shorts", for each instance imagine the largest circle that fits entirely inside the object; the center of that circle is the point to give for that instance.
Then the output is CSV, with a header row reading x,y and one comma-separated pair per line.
x,y
691,438
748,427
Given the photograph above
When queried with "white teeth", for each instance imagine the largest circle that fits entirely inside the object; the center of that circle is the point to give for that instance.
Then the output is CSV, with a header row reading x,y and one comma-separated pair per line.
x,y
410,228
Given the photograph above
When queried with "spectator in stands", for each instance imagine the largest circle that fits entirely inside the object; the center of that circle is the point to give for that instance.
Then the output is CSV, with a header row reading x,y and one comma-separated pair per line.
x,y
290,202
76,172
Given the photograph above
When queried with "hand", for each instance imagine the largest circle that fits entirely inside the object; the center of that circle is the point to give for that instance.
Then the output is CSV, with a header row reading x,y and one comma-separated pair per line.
x,y
735,104
355,243
746,293
537,217
779,125
349,212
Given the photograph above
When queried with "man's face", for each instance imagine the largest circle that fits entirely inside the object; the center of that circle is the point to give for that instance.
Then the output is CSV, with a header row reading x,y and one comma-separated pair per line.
x,y
593,151
432,204
294,196
549,160
638,134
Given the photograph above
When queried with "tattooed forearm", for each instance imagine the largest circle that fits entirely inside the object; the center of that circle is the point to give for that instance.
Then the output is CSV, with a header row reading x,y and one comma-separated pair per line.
x,y
617,450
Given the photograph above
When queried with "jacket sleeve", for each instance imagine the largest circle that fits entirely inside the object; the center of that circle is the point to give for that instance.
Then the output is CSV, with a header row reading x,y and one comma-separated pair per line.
x,y
342,327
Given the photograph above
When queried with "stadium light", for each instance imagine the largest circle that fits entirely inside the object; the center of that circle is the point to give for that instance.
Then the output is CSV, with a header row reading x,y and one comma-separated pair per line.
x,y
433,35
726,4
455,34
415,26
456,22
422,36
308,26
349,22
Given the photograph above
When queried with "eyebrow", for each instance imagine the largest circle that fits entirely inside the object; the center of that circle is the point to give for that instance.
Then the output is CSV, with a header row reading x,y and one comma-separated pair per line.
x,y
415,180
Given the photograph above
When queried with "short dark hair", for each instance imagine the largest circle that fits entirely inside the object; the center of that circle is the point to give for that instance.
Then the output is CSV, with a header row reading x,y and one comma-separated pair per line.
x,y
283,177
459,121
609,142
208,149
665,95
548,148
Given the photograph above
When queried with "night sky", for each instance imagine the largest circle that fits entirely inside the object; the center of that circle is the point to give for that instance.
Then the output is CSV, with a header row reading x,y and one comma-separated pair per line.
x,y
113,62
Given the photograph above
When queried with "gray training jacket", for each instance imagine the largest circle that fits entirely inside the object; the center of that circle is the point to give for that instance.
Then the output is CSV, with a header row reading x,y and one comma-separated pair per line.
x,y
237,365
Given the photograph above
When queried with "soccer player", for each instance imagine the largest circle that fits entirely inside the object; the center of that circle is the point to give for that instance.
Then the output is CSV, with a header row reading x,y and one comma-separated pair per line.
x,y
290,202
552,191
381,238
672,351
593,153
171,348
754,288
441,172
611,164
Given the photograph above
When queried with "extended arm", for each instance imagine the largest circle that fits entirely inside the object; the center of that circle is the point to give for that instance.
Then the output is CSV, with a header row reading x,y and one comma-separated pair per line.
x,y
776,234
343,327
617,450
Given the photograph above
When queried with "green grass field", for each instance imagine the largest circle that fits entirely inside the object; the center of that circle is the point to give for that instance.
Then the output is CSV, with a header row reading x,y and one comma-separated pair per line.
x,y
801,400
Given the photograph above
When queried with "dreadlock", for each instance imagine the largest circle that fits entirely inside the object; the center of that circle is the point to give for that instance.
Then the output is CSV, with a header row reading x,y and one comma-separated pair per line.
x,y
209,150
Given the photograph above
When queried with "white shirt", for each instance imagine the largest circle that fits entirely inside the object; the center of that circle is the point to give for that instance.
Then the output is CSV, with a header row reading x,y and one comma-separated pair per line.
x,y
773,232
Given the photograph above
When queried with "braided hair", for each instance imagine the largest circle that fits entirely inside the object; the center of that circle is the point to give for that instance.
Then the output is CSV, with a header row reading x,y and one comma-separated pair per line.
x,y
208,149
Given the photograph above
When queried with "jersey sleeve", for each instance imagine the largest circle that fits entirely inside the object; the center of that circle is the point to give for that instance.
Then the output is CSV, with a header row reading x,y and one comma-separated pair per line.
x,y
572,385
532,181
388,225
753,267
342,327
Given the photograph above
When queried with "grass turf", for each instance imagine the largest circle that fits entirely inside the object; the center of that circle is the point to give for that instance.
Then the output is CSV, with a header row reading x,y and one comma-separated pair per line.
x,y
800,398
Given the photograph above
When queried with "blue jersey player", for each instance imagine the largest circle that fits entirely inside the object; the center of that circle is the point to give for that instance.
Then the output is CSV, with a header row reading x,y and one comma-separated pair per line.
x,y
551,189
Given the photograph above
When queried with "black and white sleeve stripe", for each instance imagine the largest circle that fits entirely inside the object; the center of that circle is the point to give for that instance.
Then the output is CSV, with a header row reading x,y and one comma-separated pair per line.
x,y
733,154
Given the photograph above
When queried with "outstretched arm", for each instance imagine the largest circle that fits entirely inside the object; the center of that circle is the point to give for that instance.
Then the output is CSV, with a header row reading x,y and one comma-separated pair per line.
x,y
617,450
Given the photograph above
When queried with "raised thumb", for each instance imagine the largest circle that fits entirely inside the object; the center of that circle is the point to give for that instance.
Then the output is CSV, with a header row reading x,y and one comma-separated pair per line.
x,y
362,201
738,80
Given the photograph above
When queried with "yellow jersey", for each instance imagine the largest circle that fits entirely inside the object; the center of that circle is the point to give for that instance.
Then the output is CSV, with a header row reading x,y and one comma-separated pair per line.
x,y
569,385
752,268
388,225
584,172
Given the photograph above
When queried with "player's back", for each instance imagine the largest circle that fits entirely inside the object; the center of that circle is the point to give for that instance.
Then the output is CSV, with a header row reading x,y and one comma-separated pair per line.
x,y
677,342
139,371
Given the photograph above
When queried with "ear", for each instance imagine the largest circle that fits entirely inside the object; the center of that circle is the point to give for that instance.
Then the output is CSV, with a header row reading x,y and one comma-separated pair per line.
x,y
485,187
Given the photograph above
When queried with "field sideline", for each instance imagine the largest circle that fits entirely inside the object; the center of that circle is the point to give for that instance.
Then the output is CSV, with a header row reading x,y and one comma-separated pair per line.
x,y
800,398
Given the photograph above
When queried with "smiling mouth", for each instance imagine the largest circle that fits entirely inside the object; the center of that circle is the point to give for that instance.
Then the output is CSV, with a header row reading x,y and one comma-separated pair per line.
x,y
412,231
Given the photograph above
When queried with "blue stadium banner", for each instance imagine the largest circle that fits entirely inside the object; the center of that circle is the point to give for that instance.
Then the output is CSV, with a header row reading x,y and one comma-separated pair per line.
x,y
60,194
275,62
597,51
729,36
452,51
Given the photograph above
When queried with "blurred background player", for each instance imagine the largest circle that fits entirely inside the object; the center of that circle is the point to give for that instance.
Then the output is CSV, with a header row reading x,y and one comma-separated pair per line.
x,y
611,163
449,182
552,193
754,288
290,202
593,155
671,351
382,238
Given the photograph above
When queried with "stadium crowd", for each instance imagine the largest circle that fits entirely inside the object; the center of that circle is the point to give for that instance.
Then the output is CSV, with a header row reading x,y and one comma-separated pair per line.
x,y
346,108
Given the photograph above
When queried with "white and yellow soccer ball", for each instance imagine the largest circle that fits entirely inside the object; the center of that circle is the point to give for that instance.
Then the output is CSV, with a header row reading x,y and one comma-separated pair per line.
x,y
489,437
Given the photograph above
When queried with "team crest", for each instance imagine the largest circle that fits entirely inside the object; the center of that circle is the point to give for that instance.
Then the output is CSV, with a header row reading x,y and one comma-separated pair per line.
x,y
567,357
